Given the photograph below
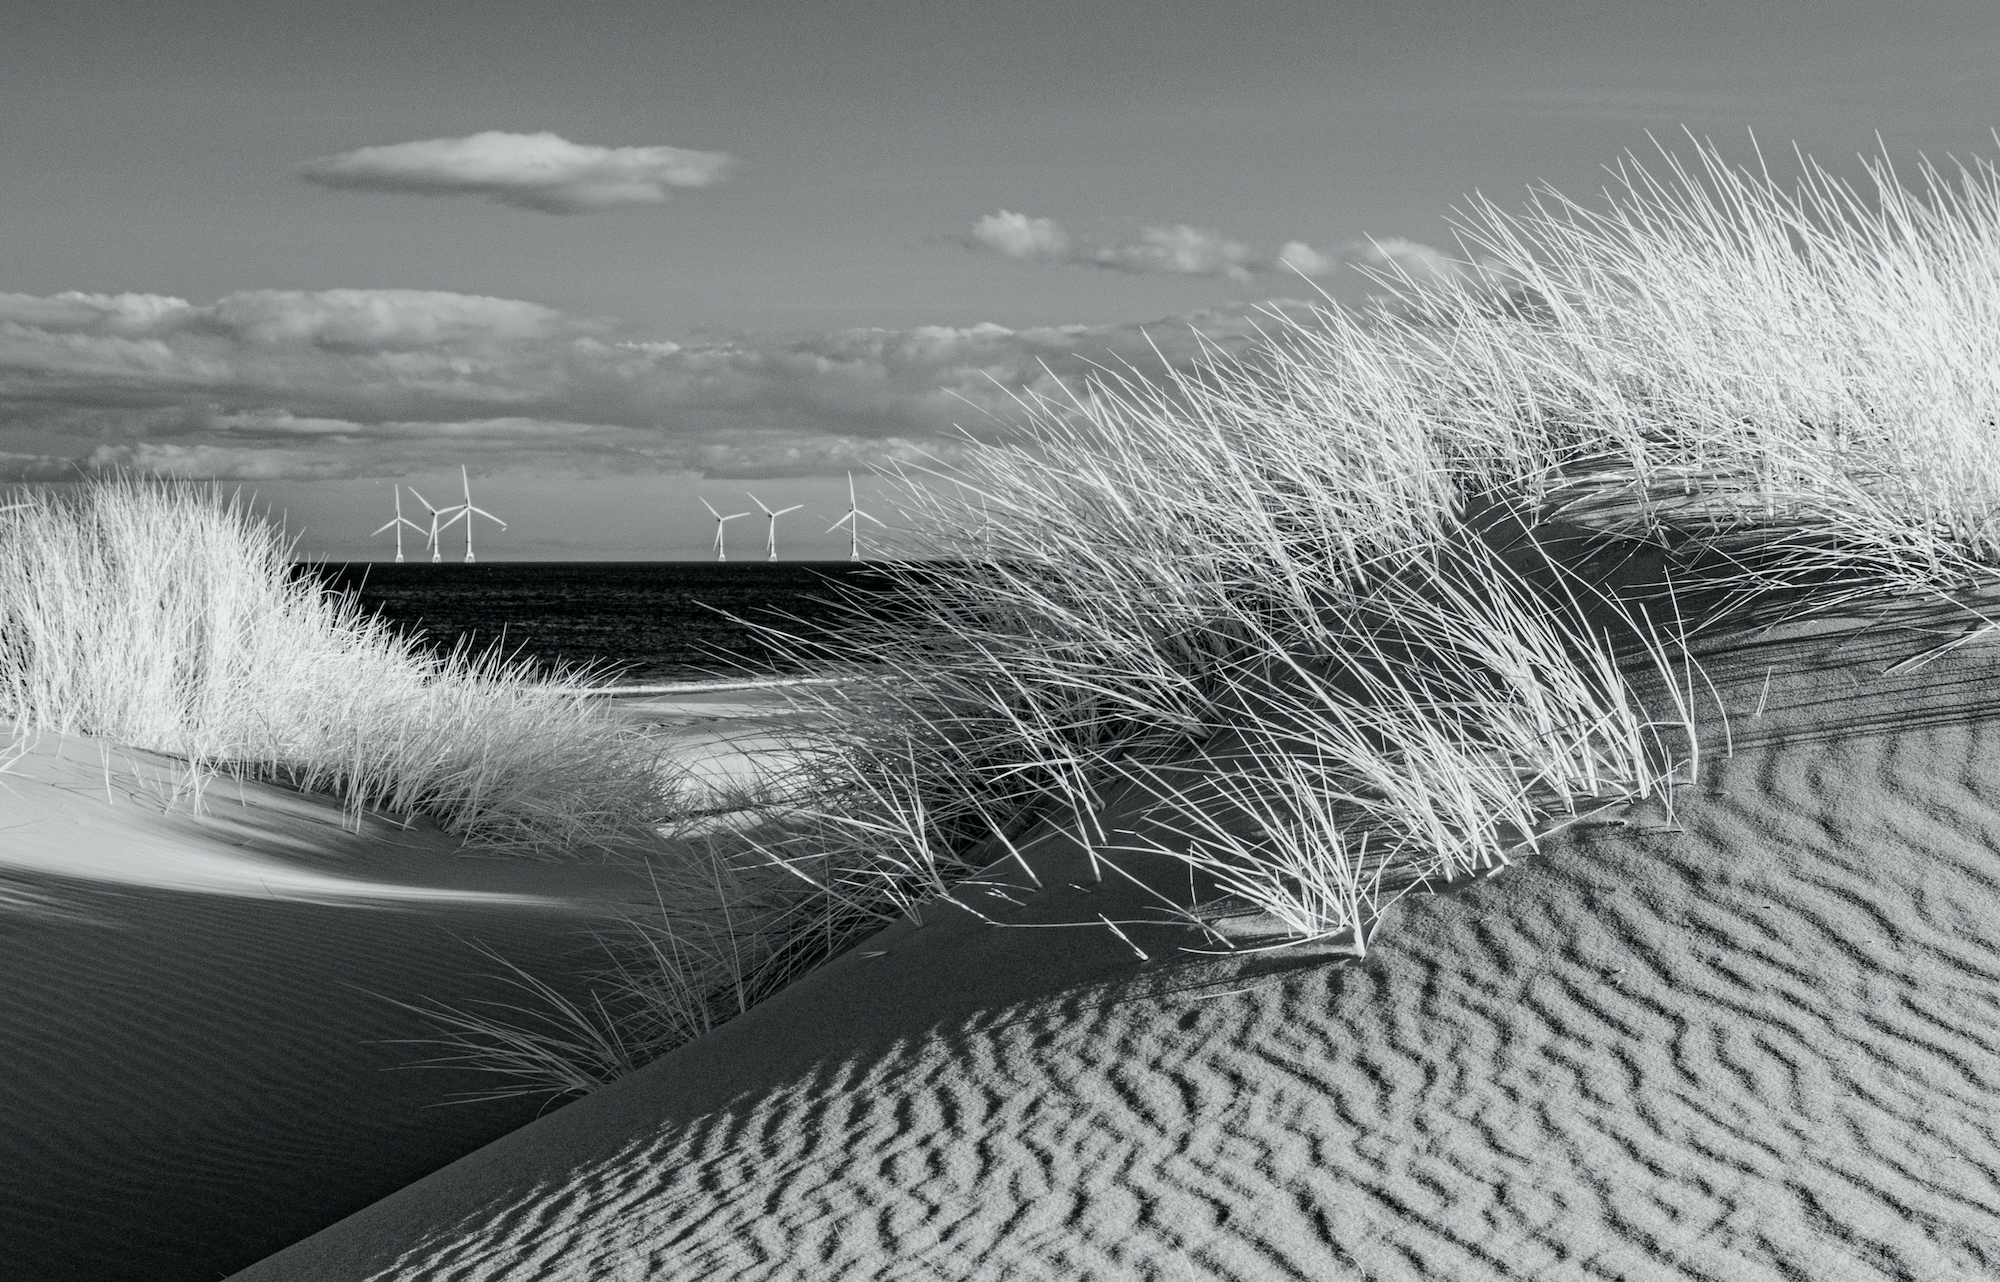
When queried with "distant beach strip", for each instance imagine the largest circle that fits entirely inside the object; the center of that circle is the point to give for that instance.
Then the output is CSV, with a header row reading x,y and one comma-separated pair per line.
x,y
702,687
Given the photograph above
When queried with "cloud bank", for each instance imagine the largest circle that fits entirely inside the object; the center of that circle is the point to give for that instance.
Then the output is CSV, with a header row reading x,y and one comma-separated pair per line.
x,y
282,384
543,172
1181,250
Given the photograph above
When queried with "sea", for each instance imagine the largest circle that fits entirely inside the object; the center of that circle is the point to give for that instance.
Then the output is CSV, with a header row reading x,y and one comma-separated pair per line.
x,y
629,622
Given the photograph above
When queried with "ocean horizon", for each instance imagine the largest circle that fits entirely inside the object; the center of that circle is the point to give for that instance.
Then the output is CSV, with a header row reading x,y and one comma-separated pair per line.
x,y
623,621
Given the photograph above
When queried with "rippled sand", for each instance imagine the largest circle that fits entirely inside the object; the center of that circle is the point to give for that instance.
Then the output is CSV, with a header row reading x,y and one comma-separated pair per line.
x,y
1761,1042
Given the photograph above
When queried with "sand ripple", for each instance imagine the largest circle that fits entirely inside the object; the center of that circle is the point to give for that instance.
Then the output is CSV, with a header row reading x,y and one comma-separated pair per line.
x,y
1765,1046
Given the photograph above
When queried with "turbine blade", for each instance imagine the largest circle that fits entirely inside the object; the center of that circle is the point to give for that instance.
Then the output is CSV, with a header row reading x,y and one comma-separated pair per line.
x,y
882,523
793,508
386,525
759,502
711,508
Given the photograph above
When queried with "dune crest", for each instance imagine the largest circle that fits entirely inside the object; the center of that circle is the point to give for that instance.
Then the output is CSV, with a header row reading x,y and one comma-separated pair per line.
x,y
1763,1042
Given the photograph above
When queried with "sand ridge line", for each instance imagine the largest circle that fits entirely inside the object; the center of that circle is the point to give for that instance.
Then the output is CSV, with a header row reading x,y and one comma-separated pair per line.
x,y
155,824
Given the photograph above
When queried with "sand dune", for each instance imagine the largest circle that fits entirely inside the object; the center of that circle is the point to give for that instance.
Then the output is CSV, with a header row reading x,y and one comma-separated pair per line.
x,y
1763,1042
198,1053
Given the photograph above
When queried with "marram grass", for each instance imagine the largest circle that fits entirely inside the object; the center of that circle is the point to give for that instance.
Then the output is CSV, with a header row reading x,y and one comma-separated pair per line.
x,y
1303,564
165,617
1389,597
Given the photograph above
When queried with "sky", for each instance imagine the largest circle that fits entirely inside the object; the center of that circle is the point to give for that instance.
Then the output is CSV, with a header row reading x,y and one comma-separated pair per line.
x,y
615,258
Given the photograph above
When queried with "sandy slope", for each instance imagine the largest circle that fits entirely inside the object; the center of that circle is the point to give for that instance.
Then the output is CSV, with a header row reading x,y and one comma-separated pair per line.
x,y
195,1068
1764,1044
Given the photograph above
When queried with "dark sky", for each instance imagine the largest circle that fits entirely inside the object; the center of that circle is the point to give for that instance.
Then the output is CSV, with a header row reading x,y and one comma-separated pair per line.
x,y
825,284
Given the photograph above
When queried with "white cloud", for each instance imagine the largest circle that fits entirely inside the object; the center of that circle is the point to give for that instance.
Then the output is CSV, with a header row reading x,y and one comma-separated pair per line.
x,y
379,319
1303,258
1179,250
348,319
1395,257
104,313
1019,236
543,172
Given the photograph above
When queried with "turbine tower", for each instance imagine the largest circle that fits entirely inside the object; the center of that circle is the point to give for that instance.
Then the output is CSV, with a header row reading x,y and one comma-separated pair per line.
x,y
396,524
720,521
853,525
771,530
465,512
431,540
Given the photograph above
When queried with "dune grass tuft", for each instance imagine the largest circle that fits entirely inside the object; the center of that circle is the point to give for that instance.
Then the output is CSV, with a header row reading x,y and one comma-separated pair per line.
x,y
1407,588
170,618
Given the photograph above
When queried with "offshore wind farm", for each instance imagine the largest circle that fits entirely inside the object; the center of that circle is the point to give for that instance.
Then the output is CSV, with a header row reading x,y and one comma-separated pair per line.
x,y
638,621
664,537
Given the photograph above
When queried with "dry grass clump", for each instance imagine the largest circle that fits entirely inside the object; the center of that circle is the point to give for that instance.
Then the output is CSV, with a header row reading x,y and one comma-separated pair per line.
x,y
729,928
165,617
1307,561
1805,379
1322,678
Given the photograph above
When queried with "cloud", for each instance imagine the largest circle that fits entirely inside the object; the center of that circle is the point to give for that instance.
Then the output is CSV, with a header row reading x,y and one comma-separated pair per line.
x,y
1181,250
543,172
1395,257
212,462
1019,236
1178,250
342,319
1304,259
284,384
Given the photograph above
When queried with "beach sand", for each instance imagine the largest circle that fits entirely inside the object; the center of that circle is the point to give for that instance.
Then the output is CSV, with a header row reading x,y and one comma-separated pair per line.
x,y
1761,1041
198,1064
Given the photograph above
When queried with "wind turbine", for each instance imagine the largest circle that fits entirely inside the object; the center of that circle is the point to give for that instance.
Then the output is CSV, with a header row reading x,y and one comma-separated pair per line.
x,y
771,530
397,524
720,521
853,526
465,512
431,540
